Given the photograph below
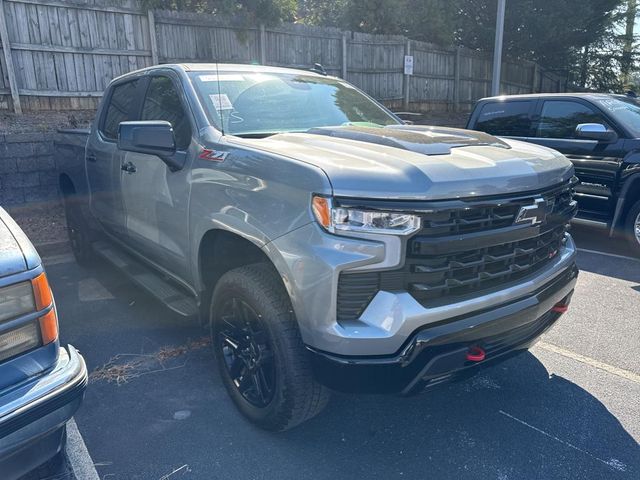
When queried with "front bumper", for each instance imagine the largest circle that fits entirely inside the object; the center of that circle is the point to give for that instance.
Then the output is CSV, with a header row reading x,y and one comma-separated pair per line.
x,y
311,261
437,354
34,413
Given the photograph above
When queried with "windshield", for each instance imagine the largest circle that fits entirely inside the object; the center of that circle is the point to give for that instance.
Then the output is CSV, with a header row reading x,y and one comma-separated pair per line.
x,y
625,112
259,104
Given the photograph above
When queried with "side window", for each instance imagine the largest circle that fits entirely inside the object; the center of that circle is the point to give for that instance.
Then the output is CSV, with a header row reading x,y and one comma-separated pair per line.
x,y
118,109
163,103
505,118
559,119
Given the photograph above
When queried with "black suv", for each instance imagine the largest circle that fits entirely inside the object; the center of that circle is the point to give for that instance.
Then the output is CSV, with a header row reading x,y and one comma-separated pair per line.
x,y
599,133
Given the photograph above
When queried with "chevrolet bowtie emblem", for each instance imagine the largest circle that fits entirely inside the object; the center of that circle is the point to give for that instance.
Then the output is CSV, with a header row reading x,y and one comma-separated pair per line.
x,y
534,214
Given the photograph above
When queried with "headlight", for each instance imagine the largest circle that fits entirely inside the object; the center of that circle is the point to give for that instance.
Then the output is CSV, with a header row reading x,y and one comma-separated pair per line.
x,y
20,340
337,219
16,300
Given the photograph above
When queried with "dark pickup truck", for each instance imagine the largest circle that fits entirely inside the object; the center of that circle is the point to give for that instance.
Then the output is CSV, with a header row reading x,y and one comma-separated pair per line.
x,y
599,133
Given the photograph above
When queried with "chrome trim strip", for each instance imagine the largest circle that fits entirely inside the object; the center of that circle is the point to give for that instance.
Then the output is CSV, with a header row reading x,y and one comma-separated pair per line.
x,y
68,371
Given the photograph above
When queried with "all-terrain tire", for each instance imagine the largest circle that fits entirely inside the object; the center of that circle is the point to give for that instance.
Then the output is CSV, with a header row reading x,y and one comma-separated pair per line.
x,y
296,395
78,231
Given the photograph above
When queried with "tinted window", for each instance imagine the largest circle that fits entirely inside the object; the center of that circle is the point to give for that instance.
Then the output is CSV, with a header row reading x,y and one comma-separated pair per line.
x,y
118,110
505,118
559,119
163,103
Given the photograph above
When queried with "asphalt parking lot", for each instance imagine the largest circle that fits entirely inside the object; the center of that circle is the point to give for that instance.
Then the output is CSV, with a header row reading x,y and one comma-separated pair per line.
x,y
156,409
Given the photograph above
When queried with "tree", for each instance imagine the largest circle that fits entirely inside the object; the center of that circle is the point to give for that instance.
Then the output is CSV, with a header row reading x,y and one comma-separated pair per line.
x,y
250,11
425,20
629,38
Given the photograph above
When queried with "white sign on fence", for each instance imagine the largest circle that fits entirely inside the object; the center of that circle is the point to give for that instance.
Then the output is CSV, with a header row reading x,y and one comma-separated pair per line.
x,y
408,64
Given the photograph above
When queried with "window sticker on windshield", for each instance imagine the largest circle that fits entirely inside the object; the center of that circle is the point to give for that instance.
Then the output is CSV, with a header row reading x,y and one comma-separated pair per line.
x,y
614,105
221,101
221,78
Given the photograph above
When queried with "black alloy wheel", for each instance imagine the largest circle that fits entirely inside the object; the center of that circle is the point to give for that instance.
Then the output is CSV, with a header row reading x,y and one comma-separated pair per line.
x,y
247,351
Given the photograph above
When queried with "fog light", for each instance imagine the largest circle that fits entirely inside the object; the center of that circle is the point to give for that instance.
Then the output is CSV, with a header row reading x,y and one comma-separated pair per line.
x,y
18,341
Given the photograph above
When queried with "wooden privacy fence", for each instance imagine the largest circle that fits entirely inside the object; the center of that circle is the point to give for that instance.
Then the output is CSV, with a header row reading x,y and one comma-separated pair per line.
x,y
61,55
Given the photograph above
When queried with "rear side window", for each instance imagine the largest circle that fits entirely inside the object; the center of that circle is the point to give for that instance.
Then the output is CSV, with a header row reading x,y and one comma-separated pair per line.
x,y
163,103
505,118
121,101
559,119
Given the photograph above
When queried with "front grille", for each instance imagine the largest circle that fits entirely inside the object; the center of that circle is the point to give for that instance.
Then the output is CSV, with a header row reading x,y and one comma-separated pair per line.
x,y
489,214
471,248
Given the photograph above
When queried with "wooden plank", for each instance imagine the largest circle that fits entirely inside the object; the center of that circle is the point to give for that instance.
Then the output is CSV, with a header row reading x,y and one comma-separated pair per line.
x,y
345,52
8,59
263,45
97,8
152,37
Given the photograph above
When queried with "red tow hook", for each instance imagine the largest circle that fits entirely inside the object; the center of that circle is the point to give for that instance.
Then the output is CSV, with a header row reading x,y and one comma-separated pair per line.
x,y
560,308
475,354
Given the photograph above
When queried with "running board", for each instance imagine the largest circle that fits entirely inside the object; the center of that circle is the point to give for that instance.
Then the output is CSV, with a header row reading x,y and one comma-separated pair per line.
x,y
148,279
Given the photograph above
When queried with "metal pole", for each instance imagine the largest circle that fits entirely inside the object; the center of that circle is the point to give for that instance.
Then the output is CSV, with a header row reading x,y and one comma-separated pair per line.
x,y
497,50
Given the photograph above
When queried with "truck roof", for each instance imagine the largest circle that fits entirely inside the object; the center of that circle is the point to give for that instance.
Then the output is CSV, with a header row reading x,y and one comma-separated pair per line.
x,y
222,67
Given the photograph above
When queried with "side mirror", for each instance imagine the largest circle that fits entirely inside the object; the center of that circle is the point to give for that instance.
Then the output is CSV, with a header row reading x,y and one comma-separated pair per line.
x,y
153,137
595,131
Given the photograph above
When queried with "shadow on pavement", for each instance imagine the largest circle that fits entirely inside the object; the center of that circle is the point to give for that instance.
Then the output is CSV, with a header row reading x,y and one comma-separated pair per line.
x,y
512,422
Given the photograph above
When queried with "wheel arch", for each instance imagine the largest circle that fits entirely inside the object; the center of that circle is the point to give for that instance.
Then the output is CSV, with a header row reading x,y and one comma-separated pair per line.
x,y
220,251
66,185
629,195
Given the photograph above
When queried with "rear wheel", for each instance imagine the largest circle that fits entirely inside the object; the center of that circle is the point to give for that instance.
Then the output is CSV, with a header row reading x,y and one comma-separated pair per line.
x,y
632,227
262,360
78,231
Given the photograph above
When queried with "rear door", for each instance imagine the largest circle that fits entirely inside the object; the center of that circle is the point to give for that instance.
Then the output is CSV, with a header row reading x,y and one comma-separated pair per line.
x,y
102,155
597,163
156,198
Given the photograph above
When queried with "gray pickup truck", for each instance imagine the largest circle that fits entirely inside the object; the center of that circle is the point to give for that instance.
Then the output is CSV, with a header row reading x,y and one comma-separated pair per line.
x,y
324,243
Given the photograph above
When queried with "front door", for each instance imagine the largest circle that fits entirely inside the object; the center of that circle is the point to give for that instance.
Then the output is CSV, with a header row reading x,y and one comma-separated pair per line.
x,y
597,163
156,198
102,156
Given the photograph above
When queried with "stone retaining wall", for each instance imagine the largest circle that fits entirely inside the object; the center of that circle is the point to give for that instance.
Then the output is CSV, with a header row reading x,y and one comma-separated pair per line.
x,y
27,168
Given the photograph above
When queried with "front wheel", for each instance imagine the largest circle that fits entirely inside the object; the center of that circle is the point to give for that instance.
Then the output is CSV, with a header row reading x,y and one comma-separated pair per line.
x,y
632,228
262,360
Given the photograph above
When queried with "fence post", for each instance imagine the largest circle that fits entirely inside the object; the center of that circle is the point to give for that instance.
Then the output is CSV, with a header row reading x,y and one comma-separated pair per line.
x,y
456,80
534,81
8,59
152,37
263,45
344,56
406,84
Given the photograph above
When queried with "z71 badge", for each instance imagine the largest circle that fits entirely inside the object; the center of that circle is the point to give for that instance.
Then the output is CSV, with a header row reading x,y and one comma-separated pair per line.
x,y
213,155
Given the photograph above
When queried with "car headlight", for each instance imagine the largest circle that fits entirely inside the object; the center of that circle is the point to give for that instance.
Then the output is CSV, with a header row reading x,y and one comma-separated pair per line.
x,y
16,300
339,219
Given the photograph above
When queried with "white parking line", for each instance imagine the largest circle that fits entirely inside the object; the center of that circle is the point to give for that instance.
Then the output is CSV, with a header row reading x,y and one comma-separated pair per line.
x,y
613,255
620,372
78,455
612,462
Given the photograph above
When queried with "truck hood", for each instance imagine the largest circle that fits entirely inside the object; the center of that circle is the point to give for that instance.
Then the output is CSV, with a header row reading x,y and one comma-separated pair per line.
x,y
17,254
418,162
